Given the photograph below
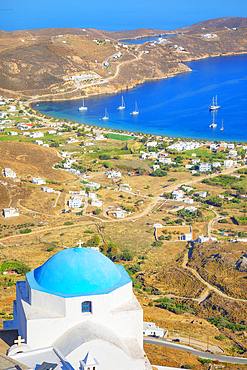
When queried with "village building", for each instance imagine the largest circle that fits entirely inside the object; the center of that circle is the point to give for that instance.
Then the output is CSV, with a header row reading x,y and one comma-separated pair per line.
x,y
75,201
38,181
202,194
204,167
39,142
118,213
152,144
178,195
204,239
97,203
47,189
8,172
13,133
10,212
186,237
188,200
113,174
149,328
36,135
80,305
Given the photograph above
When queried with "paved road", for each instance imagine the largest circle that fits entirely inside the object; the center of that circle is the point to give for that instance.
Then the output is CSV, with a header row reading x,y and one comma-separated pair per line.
x,y
210,356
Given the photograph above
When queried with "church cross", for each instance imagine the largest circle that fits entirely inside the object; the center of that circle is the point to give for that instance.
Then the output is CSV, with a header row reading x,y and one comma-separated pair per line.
x,y
80,243
19,341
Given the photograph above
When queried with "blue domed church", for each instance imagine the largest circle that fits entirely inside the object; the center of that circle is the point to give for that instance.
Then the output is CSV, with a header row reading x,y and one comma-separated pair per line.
x,y
81,304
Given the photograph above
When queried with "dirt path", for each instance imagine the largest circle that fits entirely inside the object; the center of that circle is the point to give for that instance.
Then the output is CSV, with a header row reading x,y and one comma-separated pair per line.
x,y
209,286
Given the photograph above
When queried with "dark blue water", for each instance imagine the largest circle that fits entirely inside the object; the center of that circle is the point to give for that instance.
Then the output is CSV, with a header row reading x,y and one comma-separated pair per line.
x,y
114,15
174,107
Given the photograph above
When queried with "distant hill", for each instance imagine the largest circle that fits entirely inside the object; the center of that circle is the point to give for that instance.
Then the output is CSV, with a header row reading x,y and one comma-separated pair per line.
x,y
38,62
216,24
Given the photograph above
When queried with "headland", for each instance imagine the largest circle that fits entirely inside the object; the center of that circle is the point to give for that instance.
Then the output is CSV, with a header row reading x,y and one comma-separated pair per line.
x,y
66,63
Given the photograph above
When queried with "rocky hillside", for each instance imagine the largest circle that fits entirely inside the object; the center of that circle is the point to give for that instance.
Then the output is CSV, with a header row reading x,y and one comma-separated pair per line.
x,y
37,62
223,264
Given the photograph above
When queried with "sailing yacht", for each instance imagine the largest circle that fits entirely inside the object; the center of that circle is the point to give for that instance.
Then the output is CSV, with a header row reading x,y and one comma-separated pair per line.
x,y
83,105
222,128
106,116
136,111
214,105
123,104
213,125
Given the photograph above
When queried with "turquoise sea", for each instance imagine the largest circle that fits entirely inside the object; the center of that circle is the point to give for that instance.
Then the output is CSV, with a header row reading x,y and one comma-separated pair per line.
x,y
176,107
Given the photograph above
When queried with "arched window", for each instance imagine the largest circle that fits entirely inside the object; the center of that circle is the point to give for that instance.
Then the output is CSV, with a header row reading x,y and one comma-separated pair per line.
x,y
86,306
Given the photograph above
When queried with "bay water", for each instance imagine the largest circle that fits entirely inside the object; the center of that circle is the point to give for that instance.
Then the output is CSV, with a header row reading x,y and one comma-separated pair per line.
x,y
175,107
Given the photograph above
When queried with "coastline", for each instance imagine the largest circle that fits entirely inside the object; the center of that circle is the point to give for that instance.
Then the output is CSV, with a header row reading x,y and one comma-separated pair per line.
x,y
124,87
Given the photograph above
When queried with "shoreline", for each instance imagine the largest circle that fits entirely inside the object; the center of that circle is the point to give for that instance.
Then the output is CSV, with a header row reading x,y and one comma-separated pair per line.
x,y
123,88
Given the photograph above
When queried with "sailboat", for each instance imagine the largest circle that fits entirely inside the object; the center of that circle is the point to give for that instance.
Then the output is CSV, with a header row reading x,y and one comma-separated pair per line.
x,y
222,128
106,116
123,104
136,111
83,105
214,105
213,125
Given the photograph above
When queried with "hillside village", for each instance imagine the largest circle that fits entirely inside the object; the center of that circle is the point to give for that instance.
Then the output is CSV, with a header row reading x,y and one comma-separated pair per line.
x,y
145,201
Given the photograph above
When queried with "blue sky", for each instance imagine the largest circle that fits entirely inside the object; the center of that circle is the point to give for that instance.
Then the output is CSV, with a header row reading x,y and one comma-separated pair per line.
x,y
114,15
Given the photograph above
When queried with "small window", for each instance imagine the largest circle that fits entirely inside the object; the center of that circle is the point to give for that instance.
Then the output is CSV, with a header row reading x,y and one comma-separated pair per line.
x,y
86,306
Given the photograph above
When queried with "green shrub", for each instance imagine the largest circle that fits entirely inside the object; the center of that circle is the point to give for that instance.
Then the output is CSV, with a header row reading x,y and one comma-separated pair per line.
x,y
25,231
204,360
150,304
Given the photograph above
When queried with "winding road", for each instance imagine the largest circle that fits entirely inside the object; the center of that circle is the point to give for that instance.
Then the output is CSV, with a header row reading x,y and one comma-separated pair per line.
x,y
195,352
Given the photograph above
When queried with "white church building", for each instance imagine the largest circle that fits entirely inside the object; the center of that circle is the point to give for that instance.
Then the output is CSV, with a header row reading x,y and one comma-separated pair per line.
x,y
80,305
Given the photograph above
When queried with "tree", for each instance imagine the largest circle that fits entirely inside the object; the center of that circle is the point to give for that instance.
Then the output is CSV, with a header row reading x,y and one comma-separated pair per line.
x,y
97,211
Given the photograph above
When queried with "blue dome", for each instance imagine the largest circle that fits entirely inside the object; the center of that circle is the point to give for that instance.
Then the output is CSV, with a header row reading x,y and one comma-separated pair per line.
x,y
77,271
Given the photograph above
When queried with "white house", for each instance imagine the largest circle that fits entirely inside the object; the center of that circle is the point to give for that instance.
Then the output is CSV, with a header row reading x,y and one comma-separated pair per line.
x,y
97,203
165,160
92,195
228,163
195,161
149,328
216,164
188,200
12,108
47,189
178,195
13,133
8,172
233,153
152,144
203,239
39,142
113,174
202,194
38,181
100,137
75,201
186,237
80,304
10,212
204,167
191,209
35,135
156,167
